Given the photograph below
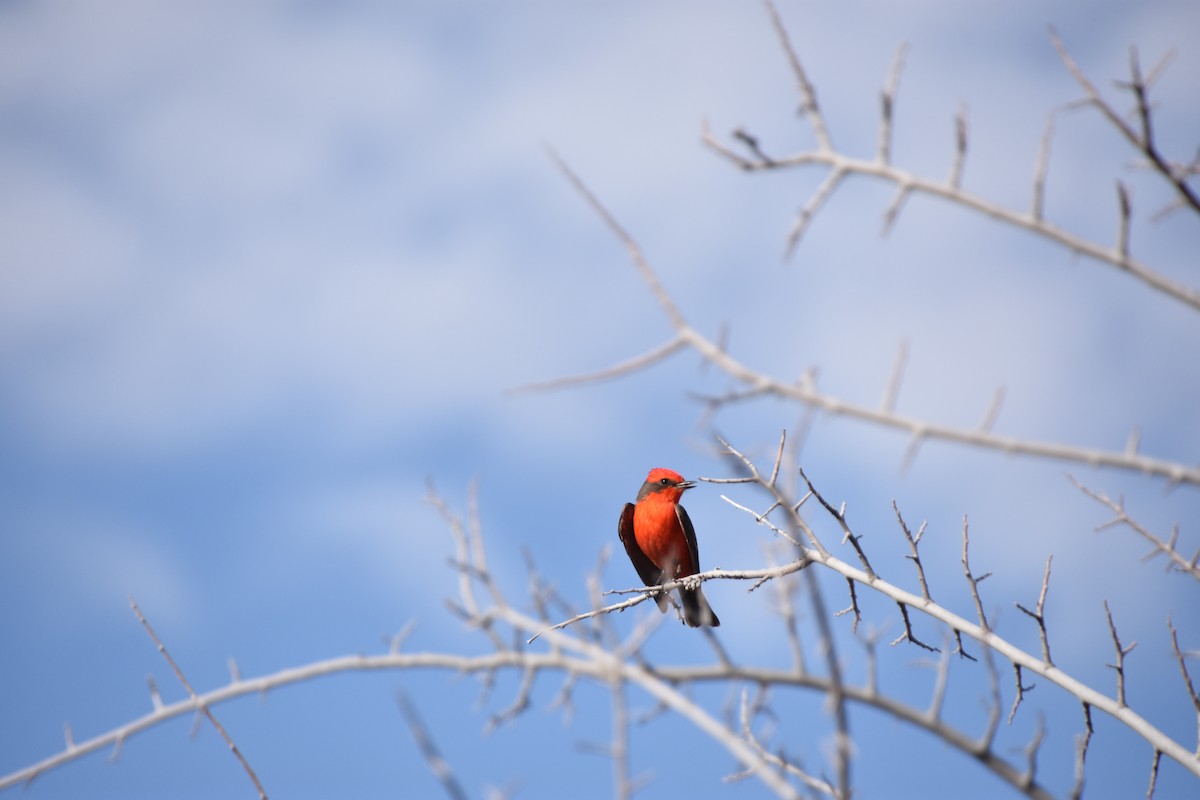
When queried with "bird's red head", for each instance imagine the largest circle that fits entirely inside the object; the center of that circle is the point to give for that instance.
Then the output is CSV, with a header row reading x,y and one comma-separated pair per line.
x,y
665,484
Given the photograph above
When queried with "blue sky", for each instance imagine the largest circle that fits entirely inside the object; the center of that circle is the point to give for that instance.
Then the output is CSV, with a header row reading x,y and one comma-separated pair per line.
x,y
267,268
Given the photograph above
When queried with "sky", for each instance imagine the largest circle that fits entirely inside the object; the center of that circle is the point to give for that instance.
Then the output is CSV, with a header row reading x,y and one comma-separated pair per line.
x,y
267,269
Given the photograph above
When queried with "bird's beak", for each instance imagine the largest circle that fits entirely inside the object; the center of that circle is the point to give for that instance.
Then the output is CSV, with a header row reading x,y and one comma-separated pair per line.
x,y
685,485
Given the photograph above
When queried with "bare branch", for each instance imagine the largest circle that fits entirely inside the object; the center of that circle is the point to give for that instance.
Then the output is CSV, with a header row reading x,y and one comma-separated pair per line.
x,y
913,544
810,209
812,782
840,516
1143,140
643,593
1020,695
620,370
1187,679
1121,653
1031,750
1126,211
892,393
1081,751
972,580
196,703
950,189
982,633
1040,169
631,247
852,608
1039,613
805,391
808,96
960,149
993,411
1176,559
908,632
888,105
440,768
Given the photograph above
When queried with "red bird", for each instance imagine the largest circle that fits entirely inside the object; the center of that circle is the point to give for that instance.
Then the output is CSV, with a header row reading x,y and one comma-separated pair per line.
x,y
661,542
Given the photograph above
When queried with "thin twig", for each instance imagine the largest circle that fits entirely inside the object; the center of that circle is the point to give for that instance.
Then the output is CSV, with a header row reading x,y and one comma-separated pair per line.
x,y
914,544
197,702
1176,559
887,102
808,96
1187,679
972,580
1081,751
1039,615
1119,667
1143,140
440,768
1042,166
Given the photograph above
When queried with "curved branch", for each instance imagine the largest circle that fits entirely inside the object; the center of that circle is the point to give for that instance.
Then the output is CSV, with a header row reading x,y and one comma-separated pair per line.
x,y
805,391
662,676
907,182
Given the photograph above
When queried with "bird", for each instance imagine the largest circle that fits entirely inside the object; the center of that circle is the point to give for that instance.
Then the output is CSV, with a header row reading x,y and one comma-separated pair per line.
x,y
661,542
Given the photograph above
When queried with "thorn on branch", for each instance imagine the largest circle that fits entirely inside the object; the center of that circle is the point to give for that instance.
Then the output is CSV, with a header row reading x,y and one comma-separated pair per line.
x,y
1021,690
808,96
914,446
908,632
751,143
1039,613
840,515
852,608
1176,559
155,697
993,706
1040,169
913,543
903,190
960,148
940,685
1031,753
440,768
1125,208
1121,653
778,461
810,209
1081,751
972,580
993,411
1187,678
201,708
892,392
1135,439
869,642
1142,138
958,647
887,103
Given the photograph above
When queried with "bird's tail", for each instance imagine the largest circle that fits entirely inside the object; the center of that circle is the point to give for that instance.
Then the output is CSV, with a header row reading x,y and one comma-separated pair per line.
x,y
696,610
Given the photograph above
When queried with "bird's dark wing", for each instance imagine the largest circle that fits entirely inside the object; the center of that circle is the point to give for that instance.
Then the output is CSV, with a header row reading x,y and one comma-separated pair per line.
x,y
690,534
650,574
696,610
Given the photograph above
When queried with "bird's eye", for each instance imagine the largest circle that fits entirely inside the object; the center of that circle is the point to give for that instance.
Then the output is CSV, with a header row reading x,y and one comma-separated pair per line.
x,y
665,481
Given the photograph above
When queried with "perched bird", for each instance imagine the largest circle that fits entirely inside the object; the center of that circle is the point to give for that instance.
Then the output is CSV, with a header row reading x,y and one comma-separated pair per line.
x,y
661,542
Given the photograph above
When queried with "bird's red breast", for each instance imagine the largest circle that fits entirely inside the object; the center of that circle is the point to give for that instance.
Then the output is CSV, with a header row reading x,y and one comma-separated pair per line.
x,y
657,528
661,542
